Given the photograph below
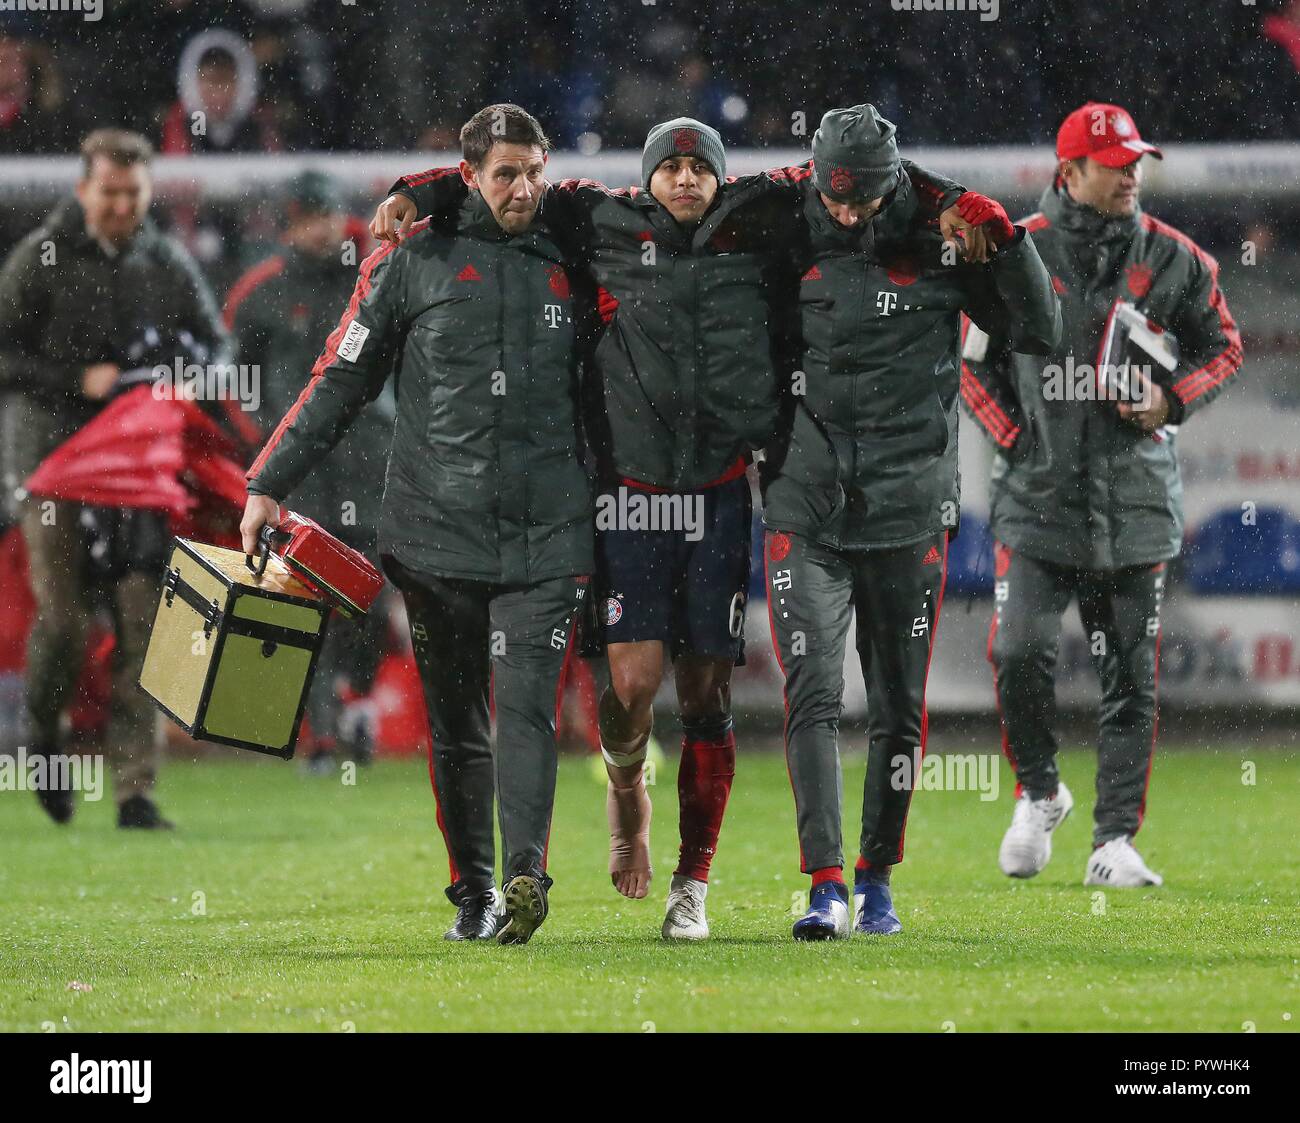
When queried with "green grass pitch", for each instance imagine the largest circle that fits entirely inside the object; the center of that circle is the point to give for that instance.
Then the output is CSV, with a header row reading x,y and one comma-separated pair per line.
x,y
322,909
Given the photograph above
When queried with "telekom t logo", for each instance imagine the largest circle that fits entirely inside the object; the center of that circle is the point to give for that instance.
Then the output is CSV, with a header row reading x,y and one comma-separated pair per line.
x,y
886,302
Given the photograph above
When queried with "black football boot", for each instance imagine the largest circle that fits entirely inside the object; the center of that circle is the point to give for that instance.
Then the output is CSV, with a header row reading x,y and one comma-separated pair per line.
x,y
139,812
478,914
57,800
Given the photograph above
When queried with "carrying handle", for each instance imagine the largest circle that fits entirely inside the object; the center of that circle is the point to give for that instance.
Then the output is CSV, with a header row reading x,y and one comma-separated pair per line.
x,y
265,537
175,585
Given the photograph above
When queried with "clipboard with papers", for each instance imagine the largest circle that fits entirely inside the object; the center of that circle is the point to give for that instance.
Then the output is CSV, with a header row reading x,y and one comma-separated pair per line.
x,y
1132,344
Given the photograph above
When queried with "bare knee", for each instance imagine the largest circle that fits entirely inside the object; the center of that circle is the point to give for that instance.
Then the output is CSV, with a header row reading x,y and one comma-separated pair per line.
x,y
635,672
703,688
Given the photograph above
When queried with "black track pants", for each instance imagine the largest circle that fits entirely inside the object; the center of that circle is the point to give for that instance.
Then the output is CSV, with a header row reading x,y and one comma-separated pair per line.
x,y
812,592
475,643
1120,611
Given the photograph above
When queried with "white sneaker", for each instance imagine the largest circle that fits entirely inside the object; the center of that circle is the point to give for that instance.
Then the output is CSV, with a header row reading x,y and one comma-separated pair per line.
x,y
685,919
1027,845
1118,865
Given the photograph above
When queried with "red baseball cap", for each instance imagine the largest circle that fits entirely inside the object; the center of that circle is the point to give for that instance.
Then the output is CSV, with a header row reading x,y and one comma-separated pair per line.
x,y
1104,132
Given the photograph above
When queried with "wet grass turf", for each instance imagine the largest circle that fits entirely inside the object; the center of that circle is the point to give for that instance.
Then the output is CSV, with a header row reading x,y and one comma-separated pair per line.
x,y
322,909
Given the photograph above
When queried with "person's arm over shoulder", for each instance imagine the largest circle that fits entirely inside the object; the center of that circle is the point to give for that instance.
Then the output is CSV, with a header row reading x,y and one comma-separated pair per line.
x,y
784,179
24,303
438,191
1020,302
567,209
935,192
573,209
350,372
1208,340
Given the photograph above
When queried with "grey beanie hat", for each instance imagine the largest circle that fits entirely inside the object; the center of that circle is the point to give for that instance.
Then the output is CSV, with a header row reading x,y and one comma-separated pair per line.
x,y
854,154
683,136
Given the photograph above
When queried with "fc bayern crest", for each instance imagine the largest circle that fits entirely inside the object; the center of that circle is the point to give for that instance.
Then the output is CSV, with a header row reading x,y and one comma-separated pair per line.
x,y
685,140
841,180
613,612
1139,280
902,271
778,547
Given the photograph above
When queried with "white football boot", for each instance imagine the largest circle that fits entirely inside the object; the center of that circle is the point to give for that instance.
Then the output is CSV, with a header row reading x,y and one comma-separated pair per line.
x,y
1117,865
685,919
1027,845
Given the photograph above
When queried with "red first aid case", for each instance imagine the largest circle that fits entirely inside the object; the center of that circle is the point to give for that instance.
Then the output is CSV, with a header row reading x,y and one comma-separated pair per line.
x,y
337,572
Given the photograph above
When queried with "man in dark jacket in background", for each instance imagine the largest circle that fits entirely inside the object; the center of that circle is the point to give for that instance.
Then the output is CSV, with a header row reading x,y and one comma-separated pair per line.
x,y
1086,499
279,311
862,492
486,523
78,298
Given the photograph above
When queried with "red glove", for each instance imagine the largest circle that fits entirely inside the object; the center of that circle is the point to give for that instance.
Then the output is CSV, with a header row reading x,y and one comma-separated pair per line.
x,y
980,210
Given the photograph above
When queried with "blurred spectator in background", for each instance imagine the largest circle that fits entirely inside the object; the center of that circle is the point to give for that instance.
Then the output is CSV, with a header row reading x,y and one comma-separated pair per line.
x,y
704,97
652,87
77,296
294,49
279,311
33,117
441,136
543,83
408,76
153,32
218,109
332,75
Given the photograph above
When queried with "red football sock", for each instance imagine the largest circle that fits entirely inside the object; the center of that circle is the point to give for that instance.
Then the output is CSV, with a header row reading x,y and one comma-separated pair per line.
x,y
827,873
703,785
865,871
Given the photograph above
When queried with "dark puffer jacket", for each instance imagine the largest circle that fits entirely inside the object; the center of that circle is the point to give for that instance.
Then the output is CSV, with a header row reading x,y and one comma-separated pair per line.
x,y
692,362
66,304
685,373
871,458
484,480
1075,483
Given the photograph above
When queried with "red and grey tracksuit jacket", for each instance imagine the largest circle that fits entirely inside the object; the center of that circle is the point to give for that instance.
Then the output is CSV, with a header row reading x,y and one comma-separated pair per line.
x,y
1076,484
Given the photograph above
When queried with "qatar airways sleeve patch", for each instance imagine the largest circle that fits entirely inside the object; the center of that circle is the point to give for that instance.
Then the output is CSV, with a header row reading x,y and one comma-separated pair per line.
x,y
353,340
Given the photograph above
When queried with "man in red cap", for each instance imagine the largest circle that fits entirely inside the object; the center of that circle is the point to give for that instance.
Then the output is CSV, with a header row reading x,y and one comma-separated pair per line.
x,y
1086,498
